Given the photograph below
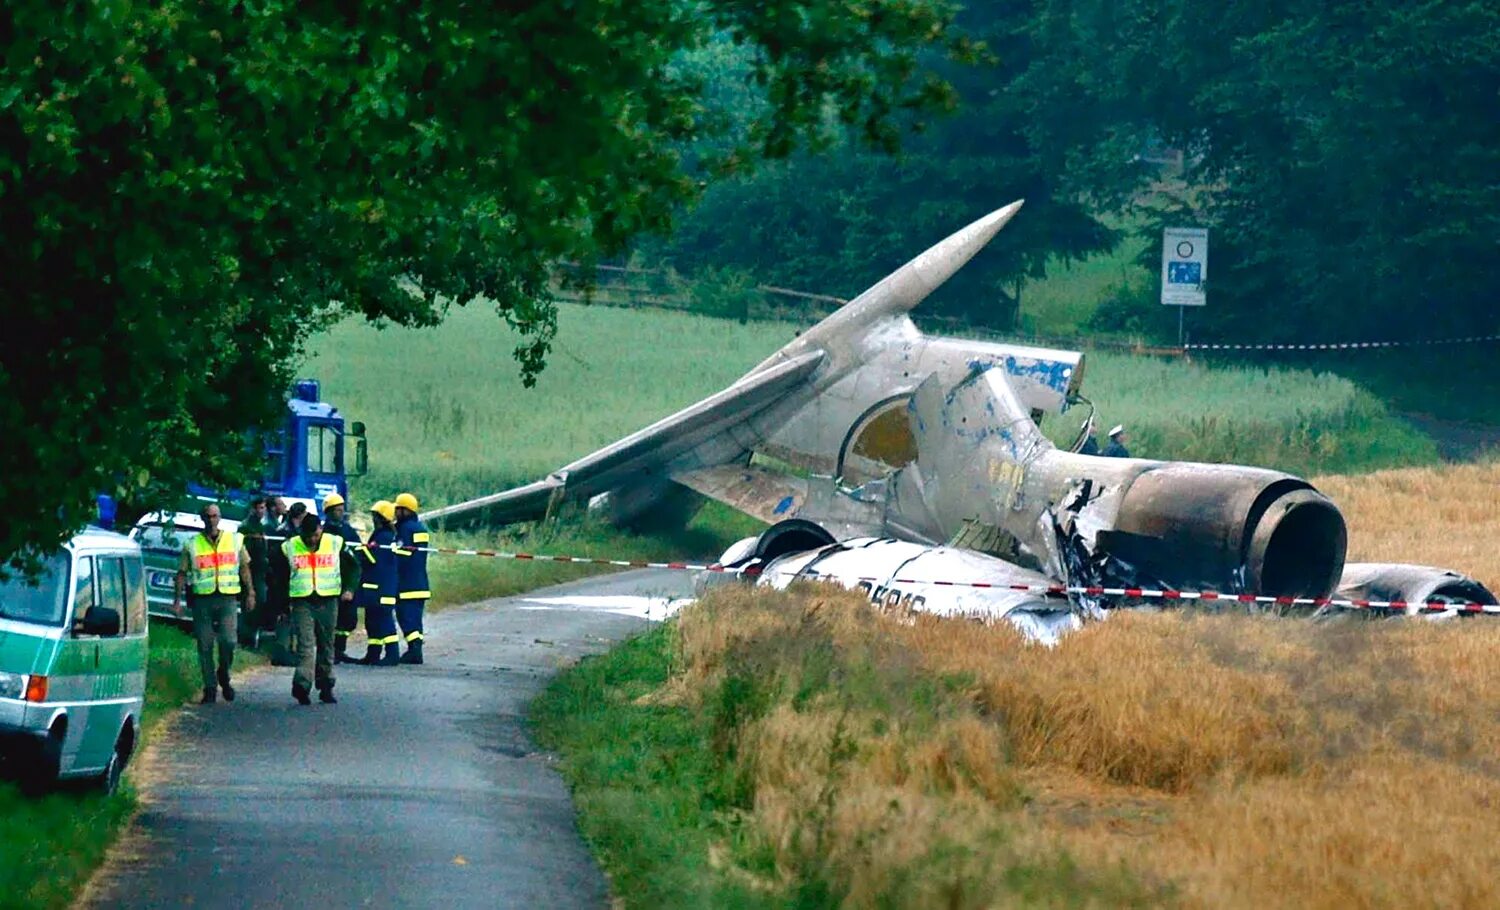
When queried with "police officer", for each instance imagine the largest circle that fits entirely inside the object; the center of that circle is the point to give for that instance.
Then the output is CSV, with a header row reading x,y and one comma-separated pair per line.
x,y
335,522
377,588
412,540
318,572
219,567
284,650
1117,440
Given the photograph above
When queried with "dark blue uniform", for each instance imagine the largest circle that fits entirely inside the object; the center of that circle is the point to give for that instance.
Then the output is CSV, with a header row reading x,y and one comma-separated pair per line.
x,y
411,576
377,589
348,616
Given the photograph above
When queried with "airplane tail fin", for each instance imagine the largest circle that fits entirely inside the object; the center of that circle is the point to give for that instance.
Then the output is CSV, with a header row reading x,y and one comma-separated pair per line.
x,y
900,291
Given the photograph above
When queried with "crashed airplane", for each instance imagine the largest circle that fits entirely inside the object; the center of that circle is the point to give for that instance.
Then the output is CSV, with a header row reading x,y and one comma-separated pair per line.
x,y
886,454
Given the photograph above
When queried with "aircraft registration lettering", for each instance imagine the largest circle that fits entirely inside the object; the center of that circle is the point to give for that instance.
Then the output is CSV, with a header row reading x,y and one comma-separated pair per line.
x,y
891,600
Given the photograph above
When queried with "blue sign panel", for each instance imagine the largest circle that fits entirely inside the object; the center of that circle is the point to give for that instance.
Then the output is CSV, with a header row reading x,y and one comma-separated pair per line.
x,y
1184,273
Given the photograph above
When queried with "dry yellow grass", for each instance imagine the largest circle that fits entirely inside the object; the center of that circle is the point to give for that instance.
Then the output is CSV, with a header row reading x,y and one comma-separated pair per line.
x,y
1445,516
1222,760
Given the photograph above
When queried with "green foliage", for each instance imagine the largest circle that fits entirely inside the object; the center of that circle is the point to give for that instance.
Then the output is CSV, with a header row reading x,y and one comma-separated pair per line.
x,y
829,223
1342,154
192,190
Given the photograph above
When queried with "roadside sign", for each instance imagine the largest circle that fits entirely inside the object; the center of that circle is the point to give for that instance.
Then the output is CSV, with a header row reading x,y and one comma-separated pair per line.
x,y
1184,266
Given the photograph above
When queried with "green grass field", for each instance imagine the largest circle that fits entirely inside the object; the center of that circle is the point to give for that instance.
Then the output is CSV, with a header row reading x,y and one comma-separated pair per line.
x,y
51,845
448,418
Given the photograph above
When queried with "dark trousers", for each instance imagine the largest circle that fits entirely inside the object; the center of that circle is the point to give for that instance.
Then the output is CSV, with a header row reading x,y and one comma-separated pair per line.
x,y
214,620
313,618
348,619
380,624
409,615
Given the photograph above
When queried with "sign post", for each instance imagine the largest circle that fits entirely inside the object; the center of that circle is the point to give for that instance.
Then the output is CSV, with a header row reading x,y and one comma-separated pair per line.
x,y
1184,271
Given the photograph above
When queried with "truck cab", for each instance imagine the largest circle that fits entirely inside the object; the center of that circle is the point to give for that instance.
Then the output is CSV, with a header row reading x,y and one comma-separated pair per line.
x,y
311,455
73,663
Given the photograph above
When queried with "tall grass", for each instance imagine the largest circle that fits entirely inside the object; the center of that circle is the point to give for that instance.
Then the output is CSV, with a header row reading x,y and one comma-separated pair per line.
x,y
1294,420
845,758
449,419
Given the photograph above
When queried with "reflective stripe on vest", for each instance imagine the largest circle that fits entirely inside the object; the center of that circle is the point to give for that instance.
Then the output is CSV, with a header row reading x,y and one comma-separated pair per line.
x,y
216,564
314,572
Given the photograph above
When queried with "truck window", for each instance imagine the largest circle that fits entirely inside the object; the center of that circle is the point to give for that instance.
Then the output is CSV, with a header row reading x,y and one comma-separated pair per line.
x,y
109,574
322,450
43,602
134,617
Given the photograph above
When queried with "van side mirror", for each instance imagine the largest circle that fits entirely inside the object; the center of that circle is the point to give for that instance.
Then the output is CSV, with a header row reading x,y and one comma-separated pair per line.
x,y
101,621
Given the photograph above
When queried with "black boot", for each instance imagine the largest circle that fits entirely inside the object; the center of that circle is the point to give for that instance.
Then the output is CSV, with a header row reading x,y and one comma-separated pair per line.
x,y
210,695
325,694
413,653
224,684
392,656
341,650
372,655
301,694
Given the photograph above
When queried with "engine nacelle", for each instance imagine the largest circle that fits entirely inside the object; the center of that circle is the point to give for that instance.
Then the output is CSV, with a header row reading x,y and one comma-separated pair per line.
x,y
1416,585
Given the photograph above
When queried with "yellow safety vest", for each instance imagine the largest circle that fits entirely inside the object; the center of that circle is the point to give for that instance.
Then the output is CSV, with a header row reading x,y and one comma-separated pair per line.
x,y
215,565
314,572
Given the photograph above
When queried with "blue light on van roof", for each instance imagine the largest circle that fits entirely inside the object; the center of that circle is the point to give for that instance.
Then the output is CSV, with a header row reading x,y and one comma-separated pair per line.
x,y
306,390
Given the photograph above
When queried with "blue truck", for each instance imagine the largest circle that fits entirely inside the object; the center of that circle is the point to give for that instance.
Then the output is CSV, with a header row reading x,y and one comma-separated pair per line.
x,y
311,455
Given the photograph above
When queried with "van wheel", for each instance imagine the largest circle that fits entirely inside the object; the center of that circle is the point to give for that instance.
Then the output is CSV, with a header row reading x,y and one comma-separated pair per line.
x,y
109,781
39,766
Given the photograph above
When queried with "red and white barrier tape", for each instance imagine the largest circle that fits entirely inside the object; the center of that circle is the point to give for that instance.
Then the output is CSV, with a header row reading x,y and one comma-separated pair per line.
x,y
1432,606
1340,346
1052,590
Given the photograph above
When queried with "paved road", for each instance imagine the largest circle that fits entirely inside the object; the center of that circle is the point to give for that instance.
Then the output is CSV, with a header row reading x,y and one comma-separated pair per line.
x,y
419,789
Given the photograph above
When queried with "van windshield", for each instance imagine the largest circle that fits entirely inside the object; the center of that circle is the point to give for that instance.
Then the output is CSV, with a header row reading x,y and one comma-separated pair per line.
x,y
42,602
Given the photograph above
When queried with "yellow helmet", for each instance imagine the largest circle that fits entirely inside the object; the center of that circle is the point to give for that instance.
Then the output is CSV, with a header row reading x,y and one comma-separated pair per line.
x,y
406,501
384,509
331,500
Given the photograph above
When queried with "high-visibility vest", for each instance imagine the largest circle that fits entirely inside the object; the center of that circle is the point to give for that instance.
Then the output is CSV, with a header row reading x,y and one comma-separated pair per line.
x,y
215,564
314,572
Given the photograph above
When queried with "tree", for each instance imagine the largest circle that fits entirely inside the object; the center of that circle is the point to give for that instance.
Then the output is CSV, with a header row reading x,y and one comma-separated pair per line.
x,y
190,190
834,222
1343,153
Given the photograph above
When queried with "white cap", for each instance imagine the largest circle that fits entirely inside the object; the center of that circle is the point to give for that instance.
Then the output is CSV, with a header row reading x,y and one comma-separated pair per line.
x,y
1118,429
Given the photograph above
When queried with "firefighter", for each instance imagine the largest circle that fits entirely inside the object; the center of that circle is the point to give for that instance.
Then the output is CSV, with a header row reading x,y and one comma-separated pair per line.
x,y
220,569
412,540
377,588
335,522
318,571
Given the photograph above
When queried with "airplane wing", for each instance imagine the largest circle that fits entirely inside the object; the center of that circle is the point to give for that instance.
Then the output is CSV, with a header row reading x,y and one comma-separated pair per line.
x,y
643,456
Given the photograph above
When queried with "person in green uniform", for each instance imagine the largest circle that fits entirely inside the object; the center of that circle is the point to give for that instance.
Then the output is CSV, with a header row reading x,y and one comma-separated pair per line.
x,y
219,569
255,528
319,570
